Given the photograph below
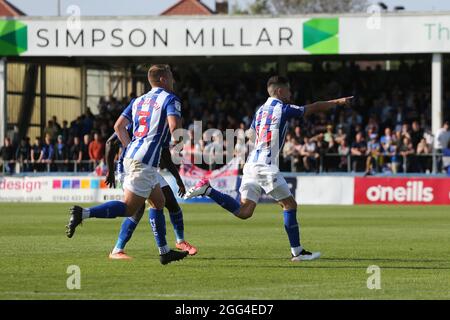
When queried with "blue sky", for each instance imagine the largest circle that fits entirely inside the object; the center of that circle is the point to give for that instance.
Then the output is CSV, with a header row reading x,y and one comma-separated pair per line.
x,y
154,7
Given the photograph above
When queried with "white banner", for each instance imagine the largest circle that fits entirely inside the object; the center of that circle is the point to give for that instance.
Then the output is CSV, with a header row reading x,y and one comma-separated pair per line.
x,y
324,190
56,189
225,36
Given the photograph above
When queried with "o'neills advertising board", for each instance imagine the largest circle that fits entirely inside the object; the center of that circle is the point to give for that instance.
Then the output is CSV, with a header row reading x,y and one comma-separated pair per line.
x,y
418,191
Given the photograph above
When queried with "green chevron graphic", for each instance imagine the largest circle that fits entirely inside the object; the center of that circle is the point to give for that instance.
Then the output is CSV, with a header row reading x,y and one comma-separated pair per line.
x,y
13,38
321,36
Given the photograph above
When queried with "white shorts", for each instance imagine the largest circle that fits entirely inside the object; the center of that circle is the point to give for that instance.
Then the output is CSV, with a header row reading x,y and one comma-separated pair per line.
x,y
140,178
162,182
258,177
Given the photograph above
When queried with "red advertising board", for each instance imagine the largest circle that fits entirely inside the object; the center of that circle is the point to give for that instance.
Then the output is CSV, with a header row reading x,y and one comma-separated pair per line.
x,y
420,191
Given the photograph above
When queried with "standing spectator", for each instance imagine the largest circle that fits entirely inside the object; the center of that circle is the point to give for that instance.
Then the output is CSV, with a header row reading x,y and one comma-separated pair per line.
x,y
36,151
65,131
48,153
96,149
358,152
61,154
423,156
416,134
441,142
76,154
7,155
406,152
51,130
23,154
86,166
446,158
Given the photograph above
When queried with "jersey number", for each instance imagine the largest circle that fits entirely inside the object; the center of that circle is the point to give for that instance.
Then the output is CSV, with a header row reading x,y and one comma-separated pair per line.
x,y
142,130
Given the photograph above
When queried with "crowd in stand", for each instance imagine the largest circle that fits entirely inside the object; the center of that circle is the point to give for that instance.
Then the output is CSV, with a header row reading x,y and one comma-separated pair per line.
x,y
387,129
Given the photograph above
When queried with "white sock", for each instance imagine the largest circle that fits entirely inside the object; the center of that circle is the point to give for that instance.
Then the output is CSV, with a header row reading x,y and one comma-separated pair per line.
x,y
116,250
296,251
164,250
180,240
208,191
86,214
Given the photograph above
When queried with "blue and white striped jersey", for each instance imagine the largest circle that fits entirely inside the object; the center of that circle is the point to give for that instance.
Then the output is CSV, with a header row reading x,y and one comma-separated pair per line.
x,y
270,124
148,114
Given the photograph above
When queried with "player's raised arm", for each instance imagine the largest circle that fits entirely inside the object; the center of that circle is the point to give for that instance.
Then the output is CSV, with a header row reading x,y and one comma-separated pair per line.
x,y
323,106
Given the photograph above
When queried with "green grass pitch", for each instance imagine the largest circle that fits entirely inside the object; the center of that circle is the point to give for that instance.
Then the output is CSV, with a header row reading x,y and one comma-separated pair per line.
x,y
236,260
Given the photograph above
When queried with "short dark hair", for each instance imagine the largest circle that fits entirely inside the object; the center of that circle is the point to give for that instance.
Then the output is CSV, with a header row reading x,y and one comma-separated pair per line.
x,y
277,81
157,71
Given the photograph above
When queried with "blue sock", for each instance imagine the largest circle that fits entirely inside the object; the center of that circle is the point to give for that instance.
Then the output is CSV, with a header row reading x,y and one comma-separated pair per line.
x,y
225,201
178,226
158,224
126,231
291,227
108,210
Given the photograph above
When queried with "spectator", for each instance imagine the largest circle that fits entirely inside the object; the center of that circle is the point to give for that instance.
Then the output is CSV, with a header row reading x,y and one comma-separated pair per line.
x,y
416,134
65,131
358,152
446,158
406,151
76,154
290,154
96,149
7,155
61,154
86,165
23,154
343,151
441,141
424,160
36,151
48,153
310,155
51,130
374,152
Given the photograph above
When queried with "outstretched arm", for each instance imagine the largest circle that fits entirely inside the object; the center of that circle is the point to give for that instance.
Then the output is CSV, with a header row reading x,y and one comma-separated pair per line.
x,y
166,161
323,106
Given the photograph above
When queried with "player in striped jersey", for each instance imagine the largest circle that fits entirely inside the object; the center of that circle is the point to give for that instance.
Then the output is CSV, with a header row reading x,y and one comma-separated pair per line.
x,y
154,116
130,223
261,170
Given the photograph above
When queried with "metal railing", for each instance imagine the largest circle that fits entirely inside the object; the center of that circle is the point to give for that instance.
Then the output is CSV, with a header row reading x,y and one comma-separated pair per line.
x,y
334,162
329,162
15,166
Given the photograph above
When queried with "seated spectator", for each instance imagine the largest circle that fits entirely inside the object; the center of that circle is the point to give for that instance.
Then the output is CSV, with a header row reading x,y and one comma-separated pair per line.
x,y
310,155
406,151
290,154
343,151
374,152
7,155
358,152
